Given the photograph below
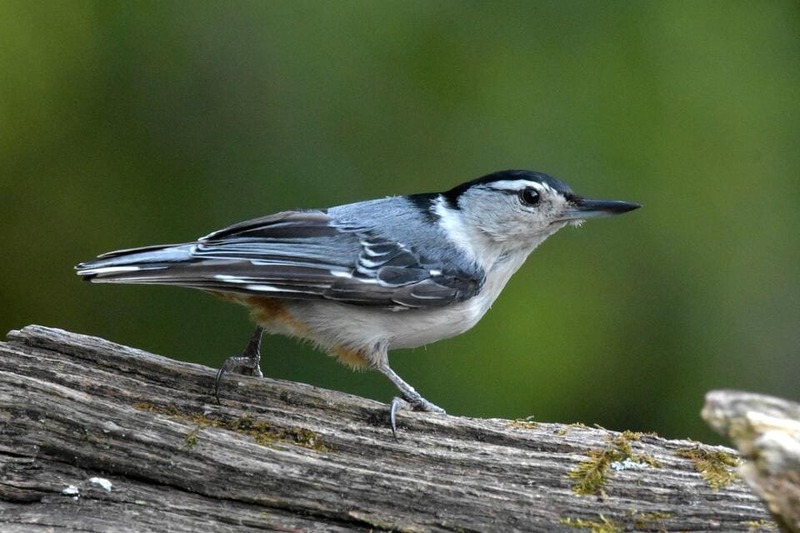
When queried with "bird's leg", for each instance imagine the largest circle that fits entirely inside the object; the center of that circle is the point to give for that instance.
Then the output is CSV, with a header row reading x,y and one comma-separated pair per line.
x,y
248,363
410,397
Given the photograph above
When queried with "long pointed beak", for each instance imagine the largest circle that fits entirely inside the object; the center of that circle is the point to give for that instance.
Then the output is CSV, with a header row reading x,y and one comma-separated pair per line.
x,y
583,208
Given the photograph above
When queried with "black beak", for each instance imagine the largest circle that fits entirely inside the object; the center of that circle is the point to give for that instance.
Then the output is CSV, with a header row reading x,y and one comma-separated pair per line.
x,y
583,208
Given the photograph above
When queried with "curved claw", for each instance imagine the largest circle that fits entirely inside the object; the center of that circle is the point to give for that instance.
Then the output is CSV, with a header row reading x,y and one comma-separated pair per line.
x,y
217,378
417,404
397,404
410,397
247,364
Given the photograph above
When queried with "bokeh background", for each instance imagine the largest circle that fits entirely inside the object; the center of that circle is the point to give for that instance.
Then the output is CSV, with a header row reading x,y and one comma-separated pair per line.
x,y
134,123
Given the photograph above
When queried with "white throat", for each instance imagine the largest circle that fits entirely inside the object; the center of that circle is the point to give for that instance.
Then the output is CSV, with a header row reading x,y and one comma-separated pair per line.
x,y
481,248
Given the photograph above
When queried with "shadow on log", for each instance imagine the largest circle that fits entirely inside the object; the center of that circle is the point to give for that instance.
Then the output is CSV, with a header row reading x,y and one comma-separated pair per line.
x,y
101,437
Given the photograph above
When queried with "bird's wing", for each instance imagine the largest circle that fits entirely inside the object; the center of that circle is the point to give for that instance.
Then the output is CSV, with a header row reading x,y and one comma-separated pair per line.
x,y
296,255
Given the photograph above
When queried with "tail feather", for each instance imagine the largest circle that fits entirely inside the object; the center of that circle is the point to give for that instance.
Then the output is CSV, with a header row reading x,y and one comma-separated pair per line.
x,y
136,265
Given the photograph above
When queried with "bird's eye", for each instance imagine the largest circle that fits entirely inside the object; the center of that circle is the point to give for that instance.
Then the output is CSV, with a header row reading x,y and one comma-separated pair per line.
x,y
529,196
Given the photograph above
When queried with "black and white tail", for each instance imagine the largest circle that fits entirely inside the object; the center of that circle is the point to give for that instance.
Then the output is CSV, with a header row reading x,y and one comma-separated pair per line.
x,y
161,264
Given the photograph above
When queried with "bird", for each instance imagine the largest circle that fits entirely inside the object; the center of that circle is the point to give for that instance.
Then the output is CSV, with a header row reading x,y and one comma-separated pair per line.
x,y
361,279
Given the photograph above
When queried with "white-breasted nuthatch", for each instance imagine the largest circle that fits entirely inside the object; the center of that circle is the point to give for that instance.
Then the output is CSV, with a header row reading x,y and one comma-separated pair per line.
x,y
361,279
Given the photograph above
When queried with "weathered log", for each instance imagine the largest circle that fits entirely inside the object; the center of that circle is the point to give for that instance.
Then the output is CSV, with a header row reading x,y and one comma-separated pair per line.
x,y
766,430
78,412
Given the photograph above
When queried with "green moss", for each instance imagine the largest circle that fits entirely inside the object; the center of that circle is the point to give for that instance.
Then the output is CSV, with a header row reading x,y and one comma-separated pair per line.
x,y
568,429
144,406
603,525
649,521
267,434
715,466
260,431
761,525
191,438
524,423
590,475
641,522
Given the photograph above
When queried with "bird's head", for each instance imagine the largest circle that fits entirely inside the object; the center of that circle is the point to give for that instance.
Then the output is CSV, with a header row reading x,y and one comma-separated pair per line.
x,y
518,209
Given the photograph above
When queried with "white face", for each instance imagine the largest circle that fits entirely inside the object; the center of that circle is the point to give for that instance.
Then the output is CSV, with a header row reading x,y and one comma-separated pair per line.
x,y
518,213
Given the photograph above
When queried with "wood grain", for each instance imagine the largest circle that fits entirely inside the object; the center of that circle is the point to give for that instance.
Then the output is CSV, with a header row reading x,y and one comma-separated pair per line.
x,y
286,456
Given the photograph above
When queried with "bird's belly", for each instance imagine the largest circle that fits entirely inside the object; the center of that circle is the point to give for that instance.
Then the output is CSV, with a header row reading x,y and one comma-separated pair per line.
x,y
433,325
334,325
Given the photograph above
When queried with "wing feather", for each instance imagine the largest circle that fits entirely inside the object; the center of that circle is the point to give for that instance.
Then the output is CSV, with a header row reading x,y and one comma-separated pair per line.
x,y
296,255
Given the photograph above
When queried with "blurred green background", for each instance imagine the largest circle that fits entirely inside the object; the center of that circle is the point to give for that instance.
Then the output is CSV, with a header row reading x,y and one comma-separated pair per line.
x,y
133,123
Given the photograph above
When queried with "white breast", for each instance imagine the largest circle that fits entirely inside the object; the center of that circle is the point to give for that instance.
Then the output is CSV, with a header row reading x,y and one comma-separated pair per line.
x,y
334,325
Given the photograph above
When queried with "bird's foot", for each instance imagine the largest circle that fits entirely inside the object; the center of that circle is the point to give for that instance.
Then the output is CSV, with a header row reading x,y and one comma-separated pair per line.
x,y
246,364
411,399
415,403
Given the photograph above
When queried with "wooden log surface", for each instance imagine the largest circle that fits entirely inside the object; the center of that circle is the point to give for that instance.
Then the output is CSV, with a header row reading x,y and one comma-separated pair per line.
x,y
766,431
96,436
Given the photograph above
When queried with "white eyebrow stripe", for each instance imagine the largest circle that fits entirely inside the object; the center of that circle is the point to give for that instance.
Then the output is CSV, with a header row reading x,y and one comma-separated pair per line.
x,y
518,185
